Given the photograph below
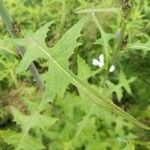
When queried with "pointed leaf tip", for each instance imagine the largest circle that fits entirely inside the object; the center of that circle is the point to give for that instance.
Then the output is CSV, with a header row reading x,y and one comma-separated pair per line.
x,y
30,42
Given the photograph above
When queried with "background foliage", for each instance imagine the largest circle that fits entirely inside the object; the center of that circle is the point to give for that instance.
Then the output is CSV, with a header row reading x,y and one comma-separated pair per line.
x,y
71,121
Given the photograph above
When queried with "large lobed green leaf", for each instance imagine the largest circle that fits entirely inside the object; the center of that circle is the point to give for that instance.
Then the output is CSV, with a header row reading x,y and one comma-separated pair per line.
x,y
59,75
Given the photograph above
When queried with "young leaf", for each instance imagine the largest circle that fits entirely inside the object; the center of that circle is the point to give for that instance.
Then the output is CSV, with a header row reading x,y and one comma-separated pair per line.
x,y
123,83
34,120
59,75
68,104
27,122
19,143
140,46
108,37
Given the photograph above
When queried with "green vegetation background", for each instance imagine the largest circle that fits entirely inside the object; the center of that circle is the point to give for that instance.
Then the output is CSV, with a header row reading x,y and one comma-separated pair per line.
x,y
78,126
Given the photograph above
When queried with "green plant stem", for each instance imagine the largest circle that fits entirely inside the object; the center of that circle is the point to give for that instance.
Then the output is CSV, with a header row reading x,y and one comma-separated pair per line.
x,y
102,35
13,78
63,17
125,16
9,22
119,40
104,44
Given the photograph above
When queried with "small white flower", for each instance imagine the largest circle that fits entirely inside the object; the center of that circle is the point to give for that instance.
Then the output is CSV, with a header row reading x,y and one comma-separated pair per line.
x,y
112,68
100,63
95,62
